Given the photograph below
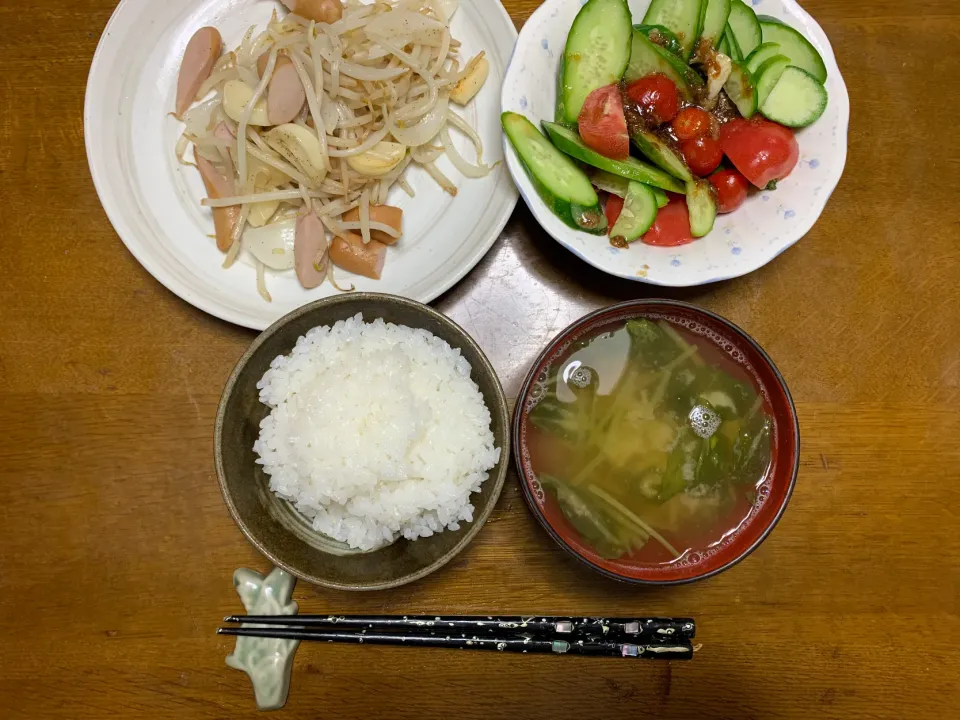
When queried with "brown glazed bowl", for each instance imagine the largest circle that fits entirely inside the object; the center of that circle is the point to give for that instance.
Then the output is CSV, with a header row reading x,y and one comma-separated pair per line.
x,y
272,524
772,497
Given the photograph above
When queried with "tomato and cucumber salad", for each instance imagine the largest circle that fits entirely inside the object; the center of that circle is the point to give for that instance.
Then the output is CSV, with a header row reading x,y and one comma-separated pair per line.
x,y
663,124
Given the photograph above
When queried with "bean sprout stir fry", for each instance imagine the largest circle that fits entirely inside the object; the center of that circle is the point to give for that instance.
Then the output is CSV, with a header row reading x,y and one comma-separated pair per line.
x,y
301,131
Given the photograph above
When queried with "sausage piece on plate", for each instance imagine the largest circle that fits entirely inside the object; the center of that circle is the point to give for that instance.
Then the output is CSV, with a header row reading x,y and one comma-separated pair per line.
x,y
350,253
218,186
285,94
310,251
198,61
386,214
323,11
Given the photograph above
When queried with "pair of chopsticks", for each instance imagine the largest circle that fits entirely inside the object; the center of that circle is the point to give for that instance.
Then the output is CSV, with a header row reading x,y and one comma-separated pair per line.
x,y
651,638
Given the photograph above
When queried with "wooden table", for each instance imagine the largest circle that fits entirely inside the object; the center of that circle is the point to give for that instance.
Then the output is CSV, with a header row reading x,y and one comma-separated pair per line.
x,y
116,550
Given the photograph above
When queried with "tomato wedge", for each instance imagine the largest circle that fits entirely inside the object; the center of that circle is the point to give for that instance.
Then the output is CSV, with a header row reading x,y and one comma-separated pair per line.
x,y
672,226
761,150
603,126
731,189
612,210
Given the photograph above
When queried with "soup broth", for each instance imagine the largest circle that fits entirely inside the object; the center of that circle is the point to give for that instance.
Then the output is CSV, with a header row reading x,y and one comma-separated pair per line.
x,y
652,440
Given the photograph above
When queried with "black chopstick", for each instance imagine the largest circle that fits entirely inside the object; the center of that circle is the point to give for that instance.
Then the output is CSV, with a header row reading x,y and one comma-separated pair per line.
x,y
665,650
637,630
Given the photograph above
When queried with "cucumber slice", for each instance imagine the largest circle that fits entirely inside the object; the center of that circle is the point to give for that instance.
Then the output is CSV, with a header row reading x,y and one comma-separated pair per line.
x,y
797,100
703,18
608,182
746,28
661,154
724,46
647,57
681,16
661,196
769,75
570,143
739,88
616,185
662,37
560,113
639,212
701,206
563,186
758,57
795,46
732,46
596,54
714,21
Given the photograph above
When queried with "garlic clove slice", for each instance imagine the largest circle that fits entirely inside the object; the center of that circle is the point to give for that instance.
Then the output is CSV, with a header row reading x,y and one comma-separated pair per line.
x,y
378,160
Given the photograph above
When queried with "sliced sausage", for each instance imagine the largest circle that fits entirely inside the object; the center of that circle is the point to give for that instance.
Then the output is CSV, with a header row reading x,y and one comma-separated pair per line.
x,y
285,94
350,253
198,61
218,186
386,214
322,11
310,251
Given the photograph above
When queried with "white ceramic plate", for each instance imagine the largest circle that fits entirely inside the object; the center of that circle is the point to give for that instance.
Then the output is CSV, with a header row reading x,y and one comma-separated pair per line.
x,y
767,224
154,203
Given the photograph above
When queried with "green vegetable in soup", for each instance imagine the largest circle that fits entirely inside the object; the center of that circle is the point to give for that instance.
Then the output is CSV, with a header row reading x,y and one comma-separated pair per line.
x,y
650,343
664,441
603,531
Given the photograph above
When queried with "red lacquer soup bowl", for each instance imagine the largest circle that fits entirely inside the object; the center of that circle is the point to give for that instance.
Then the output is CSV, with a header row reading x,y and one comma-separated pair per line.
x,y
739,351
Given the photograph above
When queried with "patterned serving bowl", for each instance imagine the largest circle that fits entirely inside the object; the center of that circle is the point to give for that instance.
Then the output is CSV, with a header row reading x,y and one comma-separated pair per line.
x,y
766,225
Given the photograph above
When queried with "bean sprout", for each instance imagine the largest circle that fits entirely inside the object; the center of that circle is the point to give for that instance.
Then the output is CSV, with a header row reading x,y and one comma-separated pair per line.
x,y
381,74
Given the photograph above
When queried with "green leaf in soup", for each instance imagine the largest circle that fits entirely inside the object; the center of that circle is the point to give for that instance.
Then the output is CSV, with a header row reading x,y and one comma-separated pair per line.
x,y
714,461
728,396
555,417
567,420
650,344
682,389
595,527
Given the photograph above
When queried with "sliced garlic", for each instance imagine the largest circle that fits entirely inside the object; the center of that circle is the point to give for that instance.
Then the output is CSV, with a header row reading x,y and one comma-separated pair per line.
x,y
378,160
261,212
273,244
265,177
717,73
300,146
470,84
236,95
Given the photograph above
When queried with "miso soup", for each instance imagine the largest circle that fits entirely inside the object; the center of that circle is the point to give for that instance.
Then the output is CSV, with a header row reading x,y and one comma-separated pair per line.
x,y
652,439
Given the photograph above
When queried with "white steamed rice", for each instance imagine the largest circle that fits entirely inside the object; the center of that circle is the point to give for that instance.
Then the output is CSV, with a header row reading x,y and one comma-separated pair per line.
x,y
376,431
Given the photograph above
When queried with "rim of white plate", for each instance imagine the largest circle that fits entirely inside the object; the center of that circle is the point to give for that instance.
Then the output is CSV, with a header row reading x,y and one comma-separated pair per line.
x,y
562,234
119,200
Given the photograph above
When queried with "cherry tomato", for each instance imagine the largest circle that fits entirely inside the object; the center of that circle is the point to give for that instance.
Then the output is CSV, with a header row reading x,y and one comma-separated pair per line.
x,y
691,122
672,226
703,154
603,126
762,150
657,97
612,210
731,189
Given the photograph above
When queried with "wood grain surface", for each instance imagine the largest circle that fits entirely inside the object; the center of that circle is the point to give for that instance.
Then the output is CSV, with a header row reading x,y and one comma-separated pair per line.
x,y
116,550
